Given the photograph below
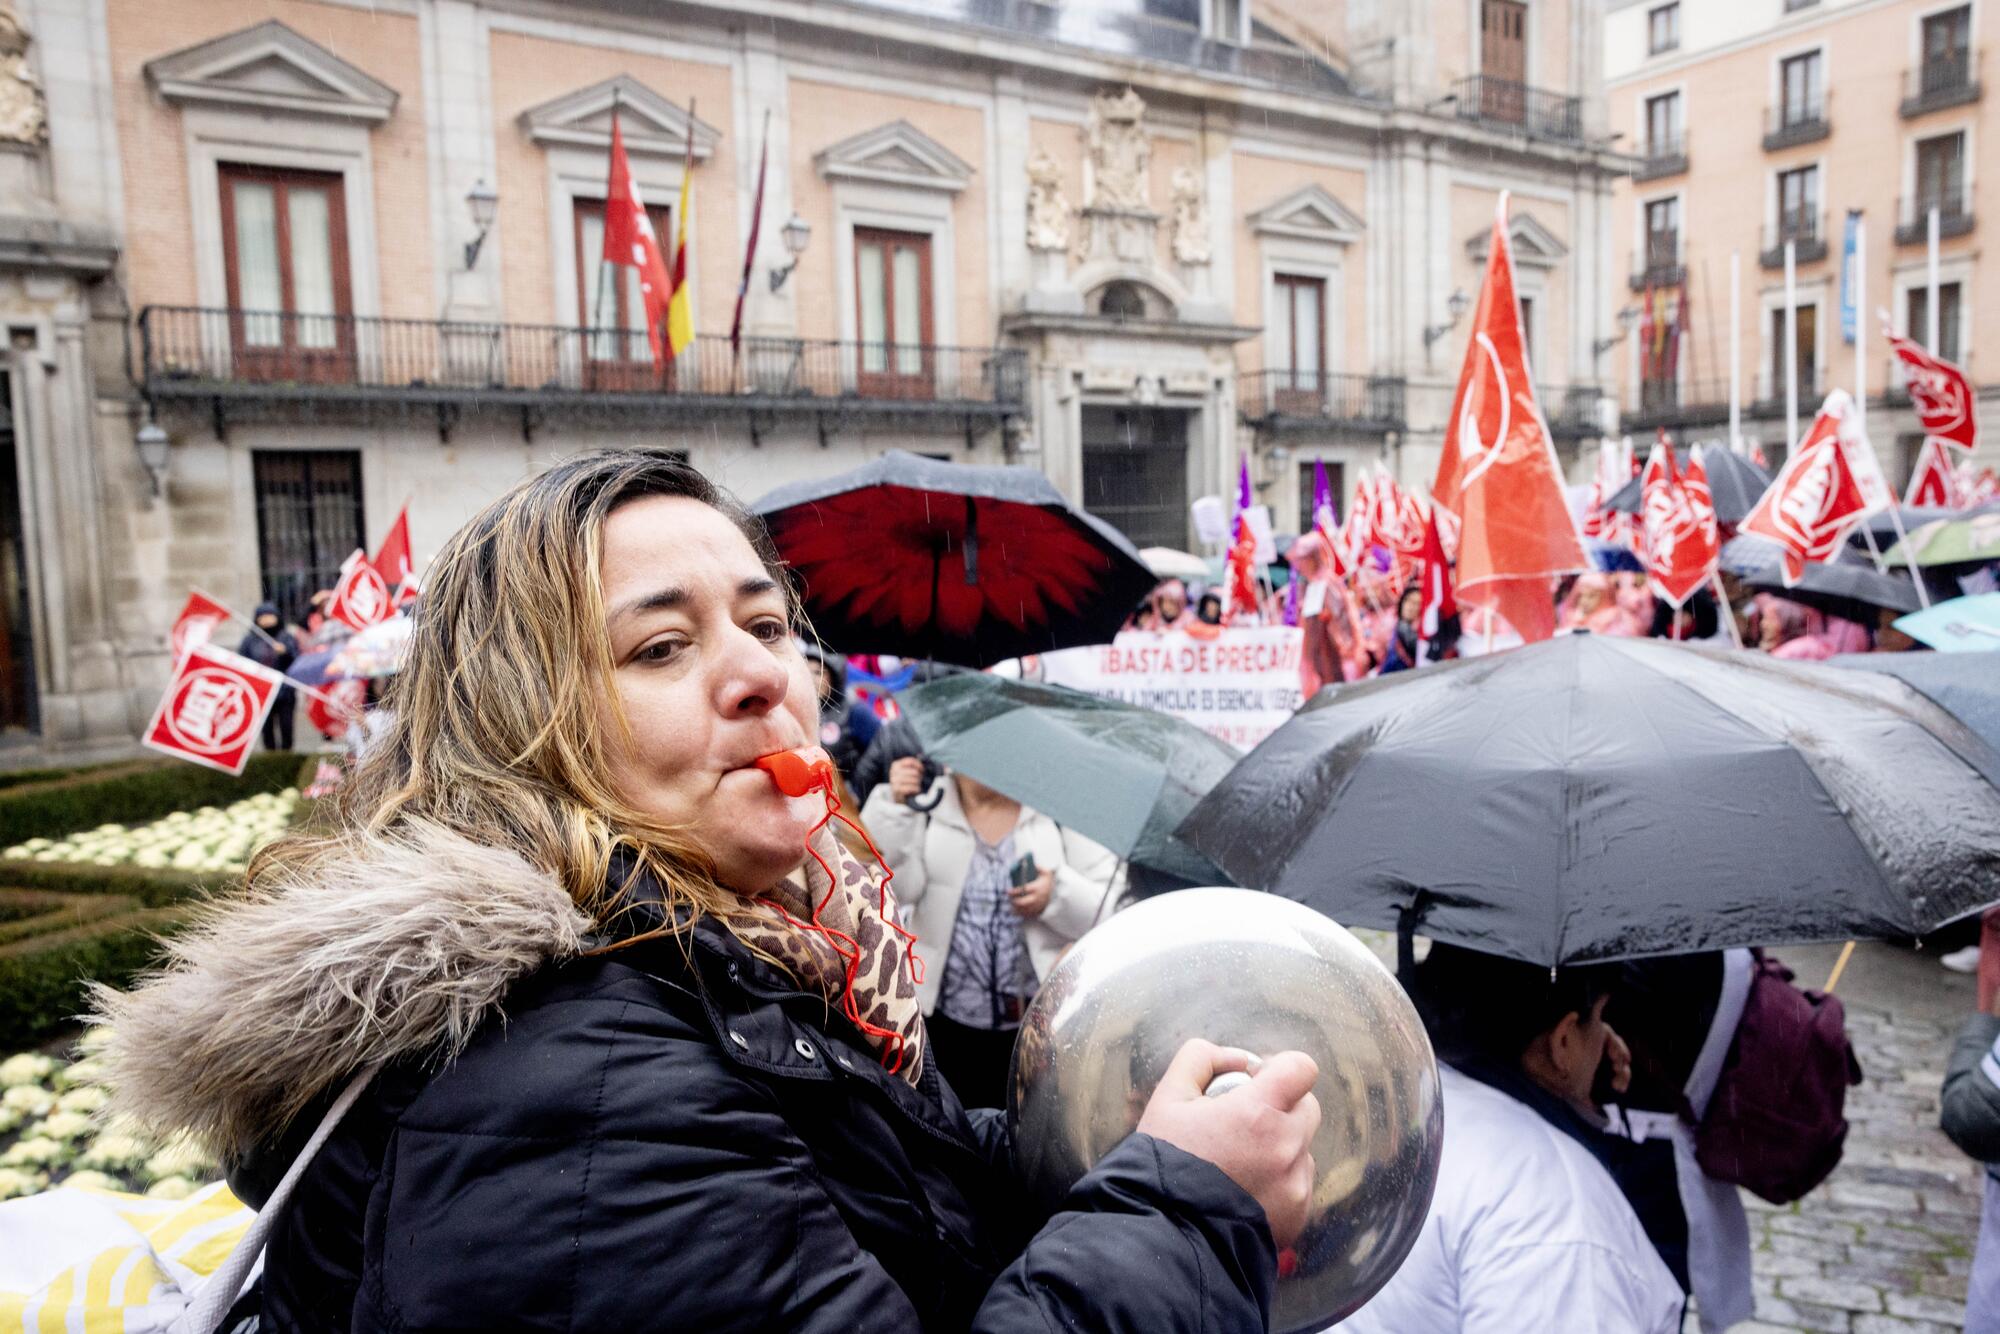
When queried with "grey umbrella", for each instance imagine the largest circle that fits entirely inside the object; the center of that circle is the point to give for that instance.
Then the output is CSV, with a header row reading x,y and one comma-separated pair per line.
x,y
1850,588
1589,798
1734,482
1117,773
1965,685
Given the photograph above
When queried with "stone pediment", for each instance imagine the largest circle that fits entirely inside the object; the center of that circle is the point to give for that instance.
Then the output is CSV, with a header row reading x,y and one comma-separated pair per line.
x,y
271,68
1310,214
895,154
1533,244
647,122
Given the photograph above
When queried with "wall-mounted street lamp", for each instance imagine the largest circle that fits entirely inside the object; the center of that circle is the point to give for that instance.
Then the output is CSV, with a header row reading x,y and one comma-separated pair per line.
x,y
1456,307
155,452
1627,317
797,232
483,202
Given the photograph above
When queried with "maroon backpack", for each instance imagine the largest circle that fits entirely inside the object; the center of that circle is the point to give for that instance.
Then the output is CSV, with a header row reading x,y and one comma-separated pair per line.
x,y
1774,1123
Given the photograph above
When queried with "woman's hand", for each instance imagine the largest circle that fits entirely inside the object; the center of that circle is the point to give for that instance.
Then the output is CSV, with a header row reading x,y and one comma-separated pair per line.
x,y
1260,1135
1032,899
906,778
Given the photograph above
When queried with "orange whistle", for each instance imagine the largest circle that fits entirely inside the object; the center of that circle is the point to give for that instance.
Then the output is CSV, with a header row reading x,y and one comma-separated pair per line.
x,y
800,772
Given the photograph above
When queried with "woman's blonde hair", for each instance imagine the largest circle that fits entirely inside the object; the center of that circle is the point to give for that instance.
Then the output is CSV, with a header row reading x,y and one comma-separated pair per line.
x,y
493,728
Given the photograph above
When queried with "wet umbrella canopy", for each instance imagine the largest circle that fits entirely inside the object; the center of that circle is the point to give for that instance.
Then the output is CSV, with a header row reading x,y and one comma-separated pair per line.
x,y
1119,774
1589,798
1735,483
1966,685
942,560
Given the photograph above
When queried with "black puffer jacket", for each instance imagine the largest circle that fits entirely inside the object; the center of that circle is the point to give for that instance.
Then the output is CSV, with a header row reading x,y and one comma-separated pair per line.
x,y
661,1138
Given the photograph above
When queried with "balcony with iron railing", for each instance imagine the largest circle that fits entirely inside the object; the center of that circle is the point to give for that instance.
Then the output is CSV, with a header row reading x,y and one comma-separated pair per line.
x,y
1304,399
1953,202
1805,230
1940,82
1664,156
1572,411
1675,402
1658,263
1790,123
229,356
1537,112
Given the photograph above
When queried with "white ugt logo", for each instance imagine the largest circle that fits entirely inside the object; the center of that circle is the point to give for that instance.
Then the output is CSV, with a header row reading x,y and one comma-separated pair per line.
x,y
1475,453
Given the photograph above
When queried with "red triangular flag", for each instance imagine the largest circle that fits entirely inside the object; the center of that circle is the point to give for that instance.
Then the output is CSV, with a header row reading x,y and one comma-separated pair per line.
x,y
1498,471
1815,500
197,623
392,558
1439,602
1945,403
361,597
629,239
1932,482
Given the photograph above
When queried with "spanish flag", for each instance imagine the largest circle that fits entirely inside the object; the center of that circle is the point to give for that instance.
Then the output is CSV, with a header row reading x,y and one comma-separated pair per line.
x,y
680,307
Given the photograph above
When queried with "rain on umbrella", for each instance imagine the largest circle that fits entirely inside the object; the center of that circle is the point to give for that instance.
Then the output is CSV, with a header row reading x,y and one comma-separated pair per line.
x,y
1591,798
1964,685
1120,774
964,564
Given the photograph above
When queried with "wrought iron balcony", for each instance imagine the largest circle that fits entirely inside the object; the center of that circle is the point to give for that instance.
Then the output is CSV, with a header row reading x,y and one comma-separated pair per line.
x,y
1938,83
1663,157
1297,400
1788,125
1573,411
1538,112
231,357
1806,232
1954,208
1658,264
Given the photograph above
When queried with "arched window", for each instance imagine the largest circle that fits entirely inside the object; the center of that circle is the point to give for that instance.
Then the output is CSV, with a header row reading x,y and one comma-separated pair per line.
x,y
1122,301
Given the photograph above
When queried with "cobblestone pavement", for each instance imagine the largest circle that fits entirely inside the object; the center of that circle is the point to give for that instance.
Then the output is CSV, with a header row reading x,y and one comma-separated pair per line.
x,y
1884,1245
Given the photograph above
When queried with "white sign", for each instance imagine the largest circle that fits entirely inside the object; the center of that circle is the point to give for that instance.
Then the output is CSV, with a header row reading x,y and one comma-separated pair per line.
x,y
1211,522
1240,685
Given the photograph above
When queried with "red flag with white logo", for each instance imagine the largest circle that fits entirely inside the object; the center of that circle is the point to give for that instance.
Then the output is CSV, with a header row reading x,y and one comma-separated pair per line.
x,y
1939,391
1677,516
214,705
362,597
1816,499
1412,518
1498,471
1976,488
197,623
392,558
629,239
1932,482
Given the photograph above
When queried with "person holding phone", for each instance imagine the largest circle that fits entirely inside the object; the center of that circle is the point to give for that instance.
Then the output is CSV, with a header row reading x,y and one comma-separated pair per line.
x,y
994,892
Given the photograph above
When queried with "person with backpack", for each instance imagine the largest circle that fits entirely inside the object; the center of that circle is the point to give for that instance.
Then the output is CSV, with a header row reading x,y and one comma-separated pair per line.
x,y
1969,1113
1527,1229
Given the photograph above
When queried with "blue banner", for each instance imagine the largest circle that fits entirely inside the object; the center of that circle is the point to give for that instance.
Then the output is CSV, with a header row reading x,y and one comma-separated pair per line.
x,y
1847,276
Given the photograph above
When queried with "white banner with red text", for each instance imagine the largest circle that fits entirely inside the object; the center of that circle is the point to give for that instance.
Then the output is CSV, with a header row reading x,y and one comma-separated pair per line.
x,y
1241,684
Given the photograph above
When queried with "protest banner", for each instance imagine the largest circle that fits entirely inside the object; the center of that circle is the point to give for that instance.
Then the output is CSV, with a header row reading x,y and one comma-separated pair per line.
x,y
1240,685
212,708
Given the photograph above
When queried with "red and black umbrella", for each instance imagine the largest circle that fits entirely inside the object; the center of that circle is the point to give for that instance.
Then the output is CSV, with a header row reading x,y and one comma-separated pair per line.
x,y
941,560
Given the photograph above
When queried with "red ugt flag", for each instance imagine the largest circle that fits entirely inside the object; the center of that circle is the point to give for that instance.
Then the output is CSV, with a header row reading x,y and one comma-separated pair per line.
x,y
1816,499
197,623
1940,393
1498,471
1683,540
1932,483
213,707
629,239
1439,604
361,598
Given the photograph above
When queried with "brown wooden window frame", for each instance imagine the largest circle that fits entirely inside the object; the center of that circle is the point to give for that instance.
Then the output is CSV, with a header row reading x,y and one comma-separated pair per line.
x,y
288,358
631,364
1297,388
891,380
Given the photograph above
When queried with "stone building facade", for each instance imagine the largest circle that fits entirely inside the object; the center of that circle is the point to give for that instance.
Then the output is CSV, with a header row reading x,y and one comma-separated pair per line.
x,y
343,255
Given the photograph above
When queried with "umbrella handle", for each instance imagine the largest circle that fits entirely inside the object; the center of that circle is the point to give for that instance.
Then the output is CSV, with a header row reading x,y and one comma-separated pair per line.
x,y
924,802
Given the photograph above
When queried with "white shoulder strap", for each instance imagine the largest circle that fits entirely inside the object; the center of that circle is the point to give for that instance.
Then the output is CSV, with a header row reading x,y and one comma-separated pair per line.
x,y
210,1303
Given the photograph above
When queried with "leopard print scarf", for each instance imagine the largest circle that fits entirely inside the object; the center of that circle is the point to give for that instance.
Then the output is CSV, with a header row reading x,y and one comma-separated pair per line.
x,y
882,1001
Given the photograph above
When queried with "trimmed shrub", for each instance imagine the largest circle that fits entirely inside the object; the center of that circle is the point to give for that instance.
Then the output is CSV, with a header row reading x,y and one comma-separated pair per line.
x,y
132,794
42,978
34,912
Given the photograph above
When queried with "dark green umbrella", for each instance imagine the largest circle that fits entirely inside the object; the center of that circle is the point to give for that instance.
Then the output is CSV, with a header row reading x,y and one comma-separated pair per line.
x,y
1117,773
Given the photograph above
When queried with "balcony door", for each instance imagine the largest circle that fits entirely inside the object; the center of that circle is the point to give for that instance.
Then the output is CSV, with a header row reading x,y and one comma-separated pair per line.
x,y
617,353
1808,348
1941,175
1297,344
284,244
1947,50
1503,59
1801,90
892,285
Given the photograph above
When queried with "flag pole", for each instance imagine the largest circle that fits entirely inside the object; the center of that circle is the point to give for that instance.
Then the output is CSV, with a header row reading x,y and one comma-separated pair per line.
x,y
1736,350
1791,348
1723,609
603,265
1931,304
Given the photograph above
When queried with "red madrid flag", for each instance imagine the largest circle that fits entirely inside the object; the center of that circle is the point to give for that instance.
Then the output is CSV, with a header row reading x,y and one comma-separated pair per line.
x,y
1816,499
629,239
1439,604
1682,539
1932,482
1939,391
213,707
361,598
197,623
1498,472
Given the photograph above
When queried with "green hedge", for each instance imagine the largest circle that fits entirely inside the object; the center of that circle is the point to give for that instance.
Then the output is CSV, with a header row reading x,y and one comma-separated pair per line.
x,y
130,794
43,978
36,912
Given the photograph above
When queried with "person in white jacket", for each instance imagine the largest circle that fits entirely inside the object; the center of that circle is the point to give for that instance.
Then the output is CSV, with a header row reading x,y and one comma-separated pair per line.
x,y
994,892
1526,1230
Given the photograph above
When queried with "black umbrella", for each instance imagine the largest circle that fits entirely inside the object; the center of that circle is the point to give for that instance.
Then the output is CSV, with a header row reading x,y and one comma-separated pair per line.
x,y
1589,798
1117,773
941,560
1734,483
1849,588
1965,685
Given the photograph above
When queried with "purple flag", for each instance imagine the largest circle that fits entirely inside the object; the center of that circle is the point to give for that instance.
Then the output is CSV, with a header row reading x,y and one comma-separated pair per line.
x,y
1323,512
1242,494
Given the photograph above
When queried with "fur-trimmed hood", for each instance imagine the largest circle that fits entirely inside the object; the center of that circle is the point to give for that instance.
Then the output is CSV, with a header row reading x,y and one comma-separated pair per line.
x,y
273,998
